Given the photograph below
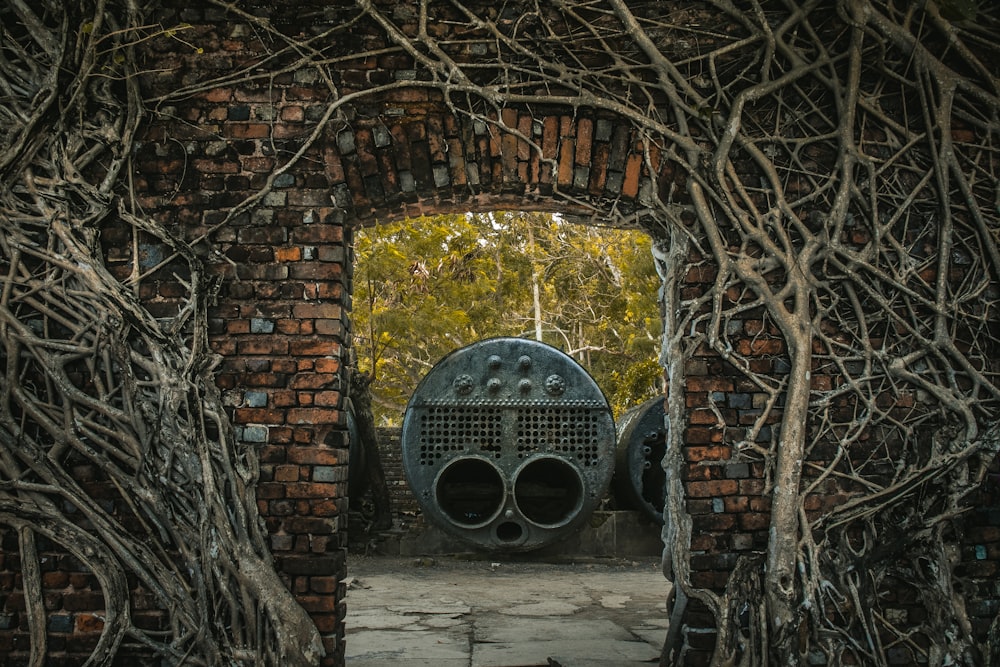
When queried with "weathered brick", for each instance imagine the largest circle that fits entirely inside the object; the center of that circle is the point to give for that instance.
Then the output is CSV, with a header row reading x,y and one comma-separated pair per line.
x,y
317,310
566,156
550,137
584,136
316,455
720,487
312,490
630,185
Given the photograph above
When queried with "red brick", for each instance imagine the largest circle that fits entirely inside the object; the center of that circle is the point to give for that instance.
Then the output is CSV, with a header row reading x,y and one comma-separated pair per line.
x,y
630,186
329,507
316,456
310,525
288,131
252,346
703,416
697,471
237,327
270,490
751,521
495,149
257,416
707,453
566,154
89,623
316,311
736,504
524,127
719,487
699,435
550,137
328,398
55,579
326,624
294,114
329,327
760,504
759,346
312,490
217,95
584,136
317,603
313,380
314,348
509,157
216,166
334,169
286,473
246,131
292,254
599,173
707,384
318,233
323,584
313,416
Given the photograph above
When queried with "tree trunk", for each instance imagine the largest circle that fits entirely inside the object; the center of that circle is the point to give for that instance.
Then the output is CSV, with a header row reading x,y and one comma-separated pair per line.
x,y
780,580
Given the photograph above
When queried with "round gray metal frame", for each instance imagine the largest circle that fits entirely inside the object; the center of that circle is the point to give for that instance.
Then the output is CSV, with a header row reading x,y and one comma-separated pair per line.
x,y
508,444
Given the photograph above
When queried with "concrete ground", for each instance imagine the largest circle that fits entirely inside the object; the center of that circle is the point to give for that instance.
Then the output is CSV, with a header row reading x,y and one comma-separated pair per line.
x,y
446,611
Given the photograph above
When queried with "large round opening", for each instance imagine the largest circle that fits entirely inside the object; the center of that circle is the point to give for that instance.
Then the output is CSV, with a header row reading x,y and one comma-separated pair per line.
x,y
548,491
470,491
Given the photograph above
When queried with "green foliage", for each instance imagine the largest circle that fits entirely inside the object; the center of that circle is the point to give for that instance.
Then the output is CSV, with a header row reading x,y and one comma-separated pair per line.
x,y
427,286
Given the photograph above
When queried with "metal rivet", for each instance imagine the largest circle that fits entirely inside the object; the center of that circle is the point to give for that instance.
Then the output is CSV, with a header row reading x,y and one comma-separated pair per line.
x,y
555,384
463,384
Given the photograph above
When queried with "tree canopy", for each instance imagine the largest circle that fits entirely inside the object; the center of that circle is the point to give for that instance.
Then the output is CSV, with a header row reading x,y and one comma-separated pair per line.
x,y
427,286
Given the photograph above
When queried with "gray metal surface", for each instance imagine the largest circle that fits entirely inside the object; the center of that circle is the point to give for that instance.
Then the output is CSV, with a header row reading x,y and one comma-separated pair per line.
x,y
508,444
639,477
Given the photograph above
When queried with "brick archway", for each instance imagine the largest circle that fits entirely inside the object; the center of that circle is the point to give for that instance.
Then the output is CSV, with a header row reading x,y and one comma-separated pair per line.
x,y
281,322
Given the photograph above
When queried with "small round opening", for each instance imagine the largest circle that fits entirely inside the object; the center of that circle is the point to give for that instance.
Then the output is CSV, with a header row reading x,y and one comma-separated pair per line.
x,y
470,491
548,491
508,531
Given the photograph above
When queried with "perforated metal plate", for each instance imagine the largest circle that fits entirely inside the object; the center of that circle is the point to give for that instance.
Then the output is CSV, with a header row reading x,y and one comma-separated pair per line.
x,y
525,420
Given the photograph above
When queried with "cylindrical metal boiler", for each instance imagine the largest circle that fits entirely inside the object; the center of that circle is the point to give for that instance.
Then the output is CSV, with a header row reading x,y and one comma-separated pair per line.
x,y
508,444
639,478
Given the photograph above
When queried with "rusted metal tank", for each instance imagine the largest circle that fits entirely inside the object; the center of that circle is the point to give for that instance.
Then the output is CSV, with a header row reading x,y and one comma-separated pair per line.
x,y
508,444
639,478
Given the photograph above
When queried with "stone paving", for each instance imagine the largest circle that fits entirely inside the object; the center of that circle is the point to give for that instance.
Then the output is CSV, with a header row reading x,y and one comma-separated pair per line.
x,y
449,612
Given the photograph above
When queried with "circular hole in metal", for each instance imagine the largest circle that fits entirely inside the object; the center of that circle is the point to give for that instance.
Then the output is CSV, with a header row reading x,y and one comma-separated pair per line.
x,y
470,491
548,491
508,531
